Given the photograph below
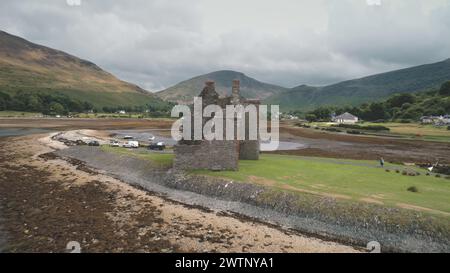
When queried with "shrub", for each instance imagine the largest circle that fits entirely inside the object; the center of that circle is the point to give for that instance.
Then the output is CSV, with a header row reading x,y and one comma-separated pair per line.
x,y
369,128
354,132
404,173
332,129
438,175
397,171
428,174
388,171
413,189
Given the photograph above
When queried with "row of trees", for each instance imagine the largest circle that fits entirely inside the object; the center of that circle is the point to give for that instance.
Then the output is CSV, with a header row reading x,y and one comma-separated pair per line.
x,y
403,107
48,104
60,104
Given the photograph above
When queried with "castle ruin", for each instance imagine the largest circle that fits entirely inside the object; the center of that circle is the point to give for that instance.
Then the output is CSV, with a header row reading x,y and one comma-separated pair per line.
x,y
218,155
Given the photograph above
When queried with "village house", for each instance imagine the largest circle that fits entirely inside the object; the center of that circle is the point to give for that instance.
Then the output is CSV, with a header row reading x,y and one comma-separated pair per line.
x,y
436,120
346,118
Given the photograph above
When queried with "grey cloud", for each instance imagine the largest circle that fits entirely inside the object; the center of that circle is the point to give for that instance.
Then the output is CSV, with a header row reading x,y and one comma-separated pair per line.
x,y
289,42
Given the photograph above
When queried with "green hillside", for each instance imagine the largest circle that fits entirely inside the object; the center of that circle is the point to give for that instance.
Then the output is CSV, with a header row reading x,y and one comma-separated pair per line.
x,y
32,68
404,107
372,88
185,91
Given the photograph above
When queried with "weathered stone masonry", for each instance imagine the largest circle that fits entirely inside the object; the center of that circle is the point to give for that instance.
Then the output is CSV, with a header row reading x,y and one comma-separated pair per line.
x,y
218,154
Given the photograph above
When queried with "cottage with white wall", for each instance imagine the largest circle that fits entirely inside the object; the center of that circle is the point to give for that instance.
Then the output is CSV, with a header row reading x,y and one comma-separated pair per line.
x,y
346,118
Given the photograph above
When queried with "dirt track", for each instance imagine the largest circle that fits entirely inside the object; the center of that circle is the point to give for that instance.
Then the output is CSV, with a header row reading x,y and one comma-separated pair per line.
x,y
48,202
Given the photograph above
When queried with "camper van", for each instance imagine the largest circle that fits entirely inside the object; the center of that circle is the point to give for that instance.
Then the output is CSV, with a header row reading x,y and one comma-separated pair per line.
x,y
131,144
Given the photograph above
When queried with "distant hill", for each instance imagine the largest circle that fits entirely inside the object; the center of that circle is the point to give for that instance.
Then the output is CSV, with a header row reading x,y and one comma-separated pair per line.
x,y
185,91
367,89
25,66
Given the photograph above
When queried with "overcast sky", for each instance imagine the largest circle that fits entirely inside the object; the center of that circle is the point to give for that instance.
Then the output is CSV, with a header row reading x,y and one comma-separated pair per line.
x,y
157,43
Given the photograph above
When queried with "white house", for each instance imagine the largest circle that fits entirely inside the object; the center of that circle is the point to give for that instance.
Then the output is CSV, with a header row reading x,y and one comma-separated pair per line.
x,y
436,120
346,118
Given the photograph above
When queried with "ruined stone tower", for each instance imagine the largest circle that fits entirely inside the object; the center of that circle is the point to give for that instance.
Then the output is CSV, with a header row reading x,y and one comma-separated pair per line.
x,y
217,154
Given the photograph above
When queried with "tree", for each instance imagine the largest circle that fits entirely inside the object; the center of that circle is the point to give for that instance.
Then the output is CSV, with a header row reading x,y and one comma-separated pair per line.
x,y
57,108
322,113
400,99
311,117
376,111
445,89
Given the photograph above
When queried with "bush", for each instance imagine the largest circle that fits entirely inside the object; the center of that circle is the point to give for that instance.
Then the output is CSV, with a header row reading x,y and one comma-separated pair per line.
x,y
404,173
397,171
388,171
413,189
438,175
369,128
354,132
332,129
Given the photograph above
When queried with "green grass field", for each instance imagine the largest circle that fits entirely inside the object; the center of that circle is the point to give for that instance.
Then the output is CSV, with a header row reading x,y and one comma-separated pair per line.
x,y
406,130
354,180
346,179
163,160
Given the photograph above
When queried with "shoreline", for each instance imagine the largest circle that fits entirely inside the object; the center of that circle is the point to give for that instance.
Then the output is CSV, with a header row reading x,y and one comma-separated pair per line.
x,y
65,203
398,230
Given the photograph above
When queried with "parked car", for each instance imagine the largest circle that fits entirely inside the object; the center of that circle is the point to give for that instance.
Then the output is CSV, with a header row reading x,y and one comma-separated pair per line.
x,y
160,146
151,138
128,137
94,143
115,143
131,144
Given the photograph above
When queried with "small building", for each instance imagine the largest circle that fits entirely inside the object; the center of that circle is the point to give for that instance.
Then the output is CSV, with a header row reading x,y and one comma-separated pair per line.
x,y
446,119
436,120
427,119
346,118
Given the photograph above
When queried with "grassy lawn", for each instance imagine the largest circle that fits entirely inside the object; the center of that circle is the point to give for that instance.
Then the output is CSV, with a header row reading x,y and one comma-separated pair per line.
x,y
345,179
406,130
357,180
163,160
9,114
415,129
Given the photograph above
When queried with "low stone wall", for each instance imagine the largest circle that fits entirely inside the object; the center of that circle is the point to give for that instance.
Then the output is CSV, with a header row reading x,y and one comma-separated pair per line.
x,y
208,155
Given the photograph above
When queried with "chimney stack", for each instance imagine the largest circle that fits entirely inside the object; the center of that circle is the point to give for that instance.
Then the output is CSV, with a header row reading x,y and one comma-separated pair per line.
x,y
211,85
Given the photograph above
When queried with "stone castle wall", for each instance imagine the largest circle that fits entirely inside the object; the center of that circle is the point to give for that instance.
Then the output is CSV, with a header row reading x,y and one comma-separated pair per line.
x,y
219,155
249,150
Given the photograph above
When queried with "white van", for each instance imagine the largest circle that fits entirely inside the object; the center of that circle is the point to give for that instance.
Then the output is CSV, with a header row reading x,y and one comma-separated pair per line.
x,y
131,144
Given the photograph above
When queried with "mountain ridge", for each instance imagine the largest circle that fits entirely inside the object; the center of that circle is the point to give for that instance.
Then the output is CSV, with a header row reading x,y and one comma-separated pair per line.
x,y
30,67
184,91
